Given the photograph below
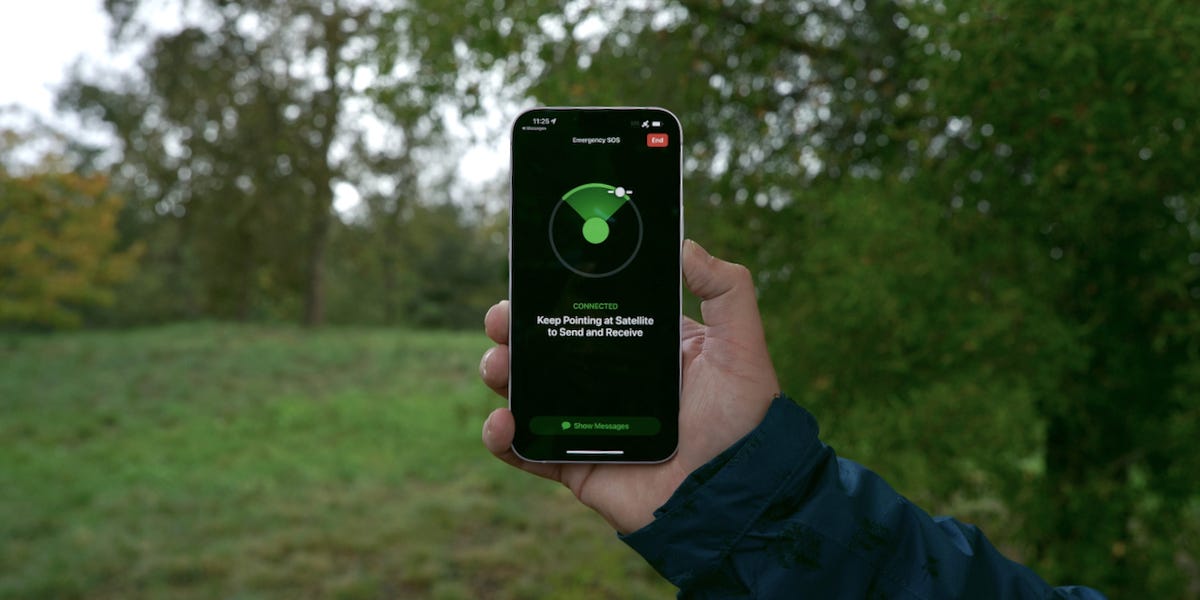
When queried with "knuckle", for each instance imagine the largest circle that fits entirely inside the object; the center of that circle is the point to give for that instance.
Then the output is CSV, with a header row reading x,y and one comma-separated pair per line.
x,y
740,272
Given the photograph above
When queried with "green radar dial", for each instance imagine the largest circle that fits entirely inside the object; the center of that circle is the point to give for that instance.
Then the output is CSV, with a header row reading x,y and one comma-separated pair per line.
x,y
600,233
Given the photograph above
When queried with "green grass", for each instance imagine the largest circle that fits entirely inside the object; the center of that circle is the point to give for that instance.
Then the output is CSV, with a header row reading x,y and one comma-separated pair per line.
x,y
244,461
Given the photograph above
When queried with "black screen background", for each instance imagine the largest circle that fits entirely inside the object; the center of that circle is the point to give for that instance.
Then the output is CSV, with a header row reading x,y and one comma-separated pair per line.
x,y
615,377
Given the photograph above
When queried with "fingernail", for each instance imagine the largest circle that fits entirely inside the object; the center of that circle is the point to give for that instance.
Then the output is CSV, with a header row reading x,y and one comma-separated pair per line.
x,y
483,362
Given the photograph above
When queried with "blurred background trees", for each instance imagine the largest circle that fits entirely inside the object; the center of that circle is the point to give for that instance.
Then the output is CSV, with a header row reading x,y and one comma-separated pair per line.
x,y
59,252
974,226
236,130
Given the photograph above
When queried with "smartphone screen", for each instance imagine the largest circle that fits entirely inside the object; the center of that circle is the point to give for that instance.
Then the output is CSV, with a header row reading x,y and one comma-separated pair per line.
x,y
595,233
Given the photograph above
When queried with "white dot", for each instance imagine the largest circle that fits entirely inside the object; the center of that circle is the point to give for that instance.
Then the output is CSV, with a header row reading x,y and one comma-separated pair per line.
x,y
620,192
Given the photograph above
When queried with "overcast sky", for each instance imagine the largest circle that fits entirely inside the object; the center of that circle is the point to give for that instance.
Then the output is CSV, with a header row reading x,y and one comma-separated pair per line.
x,y
39,39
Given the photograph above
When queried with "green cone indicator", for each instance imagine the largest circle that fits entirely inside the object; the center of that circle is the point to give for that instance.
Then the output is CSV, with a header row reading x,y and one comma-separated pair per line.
x,y
595,203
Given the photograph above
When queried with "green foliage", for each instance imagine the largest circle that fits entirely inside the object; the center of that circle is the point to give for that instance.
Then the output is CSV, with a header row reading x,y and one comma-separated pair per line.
x,y
236,129
976,227
1073,140
869,265
430,267
58,248
914,363
216,460
976,232
229,132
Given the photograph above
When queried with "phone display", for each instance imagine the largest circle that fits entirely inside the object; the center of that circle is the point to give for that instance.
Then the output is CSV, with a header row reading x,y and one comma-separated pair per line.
x,y
595,233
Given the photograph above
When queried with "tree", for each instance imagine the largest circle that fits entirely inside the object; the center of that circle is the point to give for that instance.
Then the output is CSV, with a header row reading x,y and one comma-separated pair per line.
x,y
234,134
1069,130
957,209
770,94
58,247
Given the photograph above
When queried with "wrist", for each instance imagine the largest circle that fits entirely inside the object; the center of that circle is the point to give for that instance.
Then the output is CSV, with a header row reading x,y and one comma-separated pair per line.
x,y
712,508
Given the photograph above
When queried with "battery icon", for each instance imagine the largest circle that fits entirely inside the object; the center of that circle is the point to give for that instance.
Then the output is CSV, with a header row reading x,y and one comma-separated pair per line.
x,y
656,123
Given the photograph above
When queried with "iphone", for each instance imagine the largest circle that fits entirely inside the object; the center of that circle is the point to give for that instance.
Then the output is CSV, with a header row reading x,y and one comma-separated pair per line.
x,y
595,235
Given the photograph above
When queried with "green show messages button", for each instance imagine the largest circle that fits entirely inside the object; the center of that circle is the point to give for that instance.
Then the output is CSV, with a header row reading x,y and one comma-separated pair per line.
x,y
594,425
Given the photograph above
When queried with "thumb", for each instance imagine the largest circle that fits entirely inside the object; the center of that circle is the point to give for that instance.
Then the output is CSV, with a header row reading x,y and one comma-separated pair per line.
x,y
728,304
730,311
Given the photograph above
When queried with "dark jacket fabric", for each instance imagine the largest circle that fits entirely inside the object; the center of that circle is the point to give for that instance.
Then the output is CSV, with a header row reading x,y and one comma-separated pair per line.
x,y
779,515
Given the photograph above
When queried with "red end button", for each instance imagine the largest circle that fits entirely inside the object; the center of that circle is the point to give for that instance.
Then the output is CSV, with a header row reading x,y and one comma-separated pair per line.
x,y
657,140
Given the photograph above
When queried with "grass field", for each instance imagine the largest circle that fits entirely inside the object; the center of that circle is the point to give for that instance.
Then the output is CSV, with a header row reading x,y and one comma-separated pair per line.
x,y
243,461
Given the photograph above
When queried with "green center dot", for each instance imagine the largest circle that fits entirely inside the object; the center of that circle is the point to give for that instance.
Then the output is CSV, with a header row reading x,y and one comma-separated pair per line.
x,y
595,230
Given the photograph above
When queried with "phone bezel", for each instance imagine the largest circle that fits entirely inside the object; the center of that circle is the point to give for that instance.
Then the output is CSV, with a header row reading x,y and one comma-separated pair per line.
x,y
593,457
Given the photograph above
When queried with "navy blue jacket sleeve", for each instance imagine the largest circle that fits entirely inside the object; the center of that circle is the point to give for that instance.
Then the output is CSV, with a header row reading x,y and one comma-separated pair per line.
x,y
779,515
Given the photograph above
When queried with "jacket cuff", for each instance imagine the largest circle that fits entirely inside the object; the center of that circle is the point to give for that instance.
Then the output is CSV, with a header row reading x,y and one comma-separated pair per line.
x,y
714,507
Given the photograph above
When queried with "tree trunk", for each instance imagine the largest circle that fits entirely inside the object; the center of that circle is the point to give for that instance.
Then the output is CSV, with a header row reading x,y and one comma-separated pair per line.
x,y
327,104
318,240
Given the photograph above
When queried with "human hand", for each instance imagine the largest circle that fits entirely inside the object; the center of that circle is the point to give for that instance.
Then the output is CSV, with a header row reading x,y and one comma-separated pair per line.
x,y
728,384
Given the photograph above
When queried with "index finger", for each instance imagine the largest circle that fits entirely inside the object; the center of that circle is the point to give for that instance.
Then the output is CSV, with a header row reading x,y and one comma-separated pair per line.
x,y
495,322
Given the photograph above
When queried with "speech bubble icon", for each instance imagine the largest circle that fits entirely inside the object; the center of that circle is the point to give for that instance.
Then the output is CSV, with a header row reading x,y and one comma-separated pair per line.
x,y
566,425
